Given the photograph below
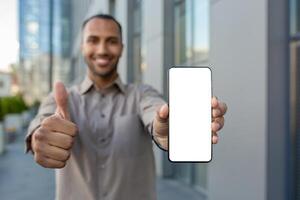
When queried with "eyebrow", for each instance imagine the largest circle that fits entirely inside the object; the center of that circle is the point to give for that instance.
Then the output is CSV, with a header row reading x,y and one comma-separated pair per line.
x,y
97,37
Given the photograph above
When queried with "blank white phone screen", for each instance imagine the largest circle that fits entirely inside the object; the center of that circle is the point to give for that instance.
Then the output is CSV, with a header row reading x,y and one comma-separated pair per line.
x,y
190,114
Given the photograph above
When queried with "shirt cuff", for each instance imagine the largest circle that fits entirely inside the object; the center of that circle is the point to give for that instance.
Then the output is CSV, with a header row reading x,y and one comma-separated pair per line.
x,y
35,124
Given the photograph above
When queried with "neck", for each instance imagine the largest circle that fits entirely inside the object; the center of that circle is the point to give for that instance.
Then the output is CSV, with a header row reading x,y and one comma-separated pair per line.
x,y
102,82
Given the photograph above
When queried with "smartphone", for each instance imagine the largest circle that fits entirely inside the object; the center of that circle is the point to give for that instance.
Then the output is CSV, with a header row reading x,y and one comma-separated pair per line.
x,y
190,93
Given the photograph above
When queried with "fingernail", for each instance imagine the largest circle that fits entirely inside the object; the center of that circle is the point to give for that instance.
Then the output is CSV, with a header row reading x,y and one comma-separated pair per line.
x,y
163,111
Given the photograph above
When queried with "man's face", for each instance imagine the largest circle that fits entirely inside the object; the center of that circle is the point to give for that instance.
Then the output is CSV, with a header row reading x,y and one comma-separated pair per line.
x,y
101,47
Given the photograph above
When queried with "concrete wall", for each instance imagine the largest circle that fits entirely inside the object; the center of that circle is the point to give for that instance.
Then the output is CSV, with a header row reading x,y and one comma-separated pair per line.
x,y
239,65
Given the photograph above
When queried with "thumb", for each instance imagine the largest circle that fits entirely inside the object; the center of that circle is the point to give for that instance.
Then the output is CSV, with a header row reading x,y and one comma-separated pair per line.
x,y
61,99
161,122
163,112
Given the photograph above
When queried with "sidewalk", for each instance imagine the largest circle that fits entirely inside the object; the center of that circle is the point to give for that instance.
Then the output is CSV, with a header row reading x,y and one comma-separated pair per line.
x,y
21,178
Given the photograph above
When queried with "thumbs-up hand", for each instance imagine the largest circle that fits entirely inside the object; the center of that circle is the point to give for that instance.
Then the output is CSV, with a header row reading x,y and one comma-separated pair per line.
x,y
53,140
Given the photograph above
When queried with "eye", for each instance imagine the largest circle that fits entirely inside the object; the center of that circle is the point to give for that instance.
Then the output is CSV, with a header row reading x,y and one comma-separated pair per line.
x,y
92,40
113,41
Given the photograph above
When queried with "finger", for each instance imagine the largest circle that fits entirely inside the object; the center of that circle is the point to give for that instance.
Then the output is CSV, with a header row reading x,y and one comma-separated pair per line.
x,y
216,113
61,99
222,107
163,114
215,126
220,121
161,121
215,138
214,102
55,153
48,162
60,140
57,124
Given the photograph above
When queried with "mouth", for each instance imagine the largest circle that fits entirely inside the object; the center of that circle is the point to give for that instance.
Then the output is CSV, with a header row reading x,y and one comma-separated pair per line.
x,y
102,62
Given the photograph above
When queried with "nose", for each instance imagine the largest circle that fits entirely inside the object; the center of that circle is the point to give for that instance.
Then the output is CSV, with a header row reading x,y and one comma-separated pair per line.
x,y
101,49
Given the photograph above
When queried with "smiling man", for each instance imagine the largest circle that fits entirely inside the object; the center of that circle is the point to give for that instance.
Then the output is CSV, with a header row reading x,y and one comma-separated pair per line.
x,y
98,135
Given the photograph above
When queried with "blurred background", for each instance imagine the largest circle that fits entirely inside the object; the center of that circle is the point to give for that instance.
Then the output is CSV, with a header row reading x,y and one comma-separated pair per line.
x,y
252,47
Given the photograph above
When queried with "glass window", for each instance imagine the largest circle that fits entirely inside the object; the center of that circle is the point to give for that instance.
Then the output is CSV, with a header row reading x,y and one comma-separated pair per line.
x,y
180,32
191,31
200,175
138,47
294,16
112,7
183,172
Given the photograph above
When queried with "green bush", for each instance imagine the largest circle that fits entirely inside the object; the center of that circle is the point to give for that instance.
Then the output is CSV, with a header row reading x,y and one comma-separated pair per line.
x,y
13,104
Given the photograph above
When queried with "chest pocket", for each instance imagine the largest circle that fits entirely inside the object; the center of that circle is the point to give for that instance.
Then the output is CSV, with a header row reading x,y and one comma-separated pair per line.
x,y
129,137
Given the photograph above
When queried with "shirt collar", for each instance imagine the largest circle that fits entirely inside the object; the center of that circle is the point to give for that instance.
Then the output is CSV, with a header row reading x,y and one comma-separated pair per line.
x,y
87,83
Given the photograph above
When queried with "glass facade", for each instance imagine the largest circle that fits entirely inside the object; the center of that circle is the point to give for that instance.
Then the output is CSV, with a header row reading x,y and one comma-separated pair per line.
x,y
61,41
34,28
36,48
191,30
34,32
62,28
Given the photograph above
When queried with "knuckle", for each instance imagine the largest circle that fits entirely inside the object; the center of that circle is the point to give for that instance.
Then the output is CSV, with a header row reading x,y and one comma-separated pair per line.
x,y
74,130
38,135
40,160
61,165
55,119
222,119
67,155
70,143
38,148
41,134
46,121
49,121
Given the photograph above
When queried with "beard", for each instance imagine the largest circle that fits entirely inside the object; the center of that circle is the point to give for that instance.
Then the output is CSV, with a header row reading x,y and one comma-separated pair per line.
x,y
104,75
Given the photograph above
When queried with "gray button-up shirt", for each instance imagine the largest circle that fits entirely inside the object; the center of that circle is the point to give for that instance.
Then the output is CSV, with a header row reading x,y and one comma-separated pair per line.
x,y
112,156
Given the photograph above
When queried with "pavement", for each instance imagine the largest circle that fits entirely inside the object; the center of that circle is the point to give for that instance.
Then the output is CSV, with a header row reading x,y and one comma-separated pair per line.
x,y
21,178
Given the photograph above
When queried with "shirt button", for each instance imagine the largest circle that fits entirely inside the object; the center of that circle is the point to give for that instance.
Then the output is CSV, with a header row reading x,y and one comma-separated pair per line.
x,y
102,115
101,140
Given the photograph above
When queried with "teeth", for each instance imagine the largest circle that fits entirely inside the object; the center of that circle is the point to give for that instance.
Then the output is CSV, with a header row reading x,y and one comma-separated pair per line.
x,y
102,61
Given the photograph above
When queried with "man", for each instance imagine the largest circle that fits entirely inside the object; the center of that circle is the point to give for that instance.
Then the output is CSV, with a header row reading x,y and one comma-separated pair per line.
x,y
98,135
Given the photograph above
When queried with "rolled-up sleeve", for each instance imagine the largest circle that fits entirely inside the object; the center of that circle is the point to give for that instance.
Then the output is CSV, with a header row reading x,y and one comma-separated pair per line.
x,y
46,109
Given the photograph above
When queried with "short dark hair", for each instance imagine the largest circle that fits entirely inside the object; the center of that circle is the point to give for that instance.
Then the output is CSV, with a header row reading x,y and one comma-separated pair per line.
x,y
103,16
